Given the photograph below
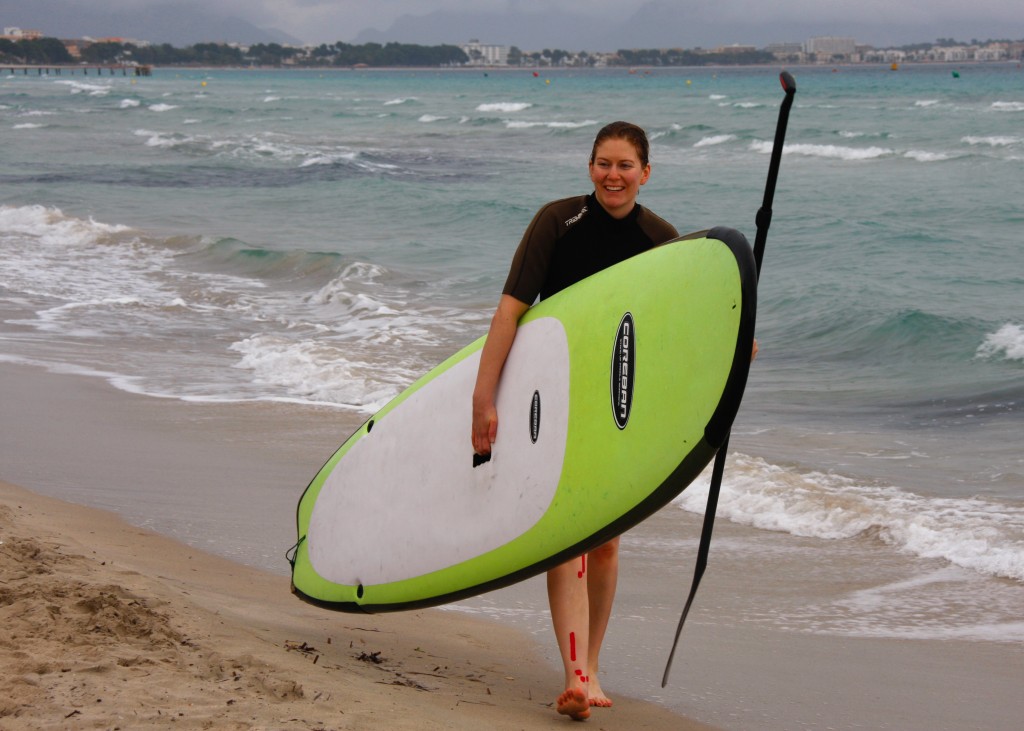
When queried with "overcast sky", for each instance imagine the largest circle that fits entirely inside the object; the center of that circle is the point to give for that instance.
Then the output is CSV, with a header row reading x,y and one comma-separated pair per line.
x,y
327,20
319,21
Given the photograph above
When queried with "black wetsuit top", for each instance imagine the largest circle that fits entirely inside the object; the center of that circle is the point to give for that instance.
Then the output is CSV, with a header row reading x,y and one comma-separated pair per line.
x,y
572,238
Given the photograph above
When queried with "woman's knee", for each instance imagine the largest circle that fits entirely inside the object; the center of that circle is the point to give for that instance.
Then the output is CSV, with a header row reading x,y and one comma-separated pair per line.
x,y
605,552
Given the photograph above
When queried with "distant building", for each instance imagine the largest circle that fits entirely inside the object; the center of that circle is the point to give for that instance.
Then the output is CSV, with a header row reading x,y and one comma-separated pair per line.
x,y
735,48
17,34
992,52
786,47
787,51
830,47
481,54
954,54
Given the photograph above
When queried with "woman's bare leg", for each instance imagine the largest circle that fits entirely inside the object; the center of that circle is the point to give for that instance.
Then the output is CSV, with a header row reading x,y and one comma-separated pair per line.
x,y
570,616
602,579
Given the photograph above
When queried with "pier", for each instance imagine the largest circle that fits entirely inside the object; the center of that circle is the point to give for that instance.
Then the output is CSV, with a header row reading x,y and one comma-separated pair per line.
x,y
97,69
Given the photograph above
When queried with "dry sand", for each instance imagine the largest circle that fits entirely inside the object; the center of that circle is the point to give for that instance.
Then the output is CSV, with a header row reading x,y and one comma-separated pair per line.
x,y
110,626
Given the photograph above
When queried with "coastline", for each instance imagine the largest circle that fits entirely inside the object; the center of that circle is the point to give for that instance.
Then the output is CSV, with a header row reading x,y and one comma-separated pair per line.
x,y
111,624
625,68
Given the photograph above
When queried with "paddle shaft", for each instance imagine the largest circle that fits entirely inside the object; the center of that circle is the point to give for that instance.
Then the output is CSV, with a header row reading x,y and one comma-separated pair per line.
x,y
763,220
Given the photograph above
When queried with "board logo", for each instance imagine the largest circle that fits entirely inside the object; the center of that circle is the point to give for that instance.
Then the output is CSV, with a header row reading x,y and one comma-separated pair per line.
x,y
535,417
623,369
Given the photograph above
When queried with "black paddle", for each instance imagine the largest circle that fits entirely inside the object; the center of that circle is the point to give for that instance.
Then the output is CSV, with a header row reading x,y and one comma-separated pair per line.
x,y
763,220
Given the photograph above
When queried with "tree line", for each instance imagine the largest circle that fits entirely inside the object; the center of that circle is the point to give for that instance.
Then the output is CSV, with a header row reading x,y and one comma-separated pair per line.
x,y
683,57
37,50
53,51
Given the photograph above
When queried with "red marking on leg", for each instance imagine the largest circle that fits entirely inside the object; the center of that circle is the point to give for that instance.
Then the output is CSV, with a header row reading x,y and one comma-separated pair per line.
x,y
572,646
579,574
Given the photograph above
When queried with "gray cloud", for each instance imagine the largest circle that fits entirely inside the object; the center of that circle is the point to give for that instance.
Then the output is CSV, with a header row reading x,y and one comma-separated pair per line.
x,y
726,21
575,24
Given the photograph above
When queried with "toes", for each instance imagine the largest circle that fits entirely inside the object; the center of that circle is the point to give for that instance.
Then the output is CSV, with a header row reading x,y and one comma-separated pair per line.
x,y
574,704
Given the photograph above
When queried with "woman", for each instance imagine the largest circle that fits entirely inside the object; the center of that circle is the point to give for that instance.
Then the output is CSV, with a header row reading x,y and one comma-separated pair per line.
x,y
568,240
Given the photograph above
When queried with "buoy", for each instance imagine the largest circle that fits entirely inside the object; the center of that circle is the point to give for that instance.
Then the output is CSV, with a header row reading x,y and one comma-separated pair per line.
x,y
547,81
688,82
536,74
203,84
956,74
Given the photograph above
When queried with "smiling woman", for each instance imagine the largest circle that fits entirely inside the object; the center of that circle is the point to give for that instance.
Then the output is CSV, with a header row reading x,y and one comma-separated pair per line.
x,y
567,241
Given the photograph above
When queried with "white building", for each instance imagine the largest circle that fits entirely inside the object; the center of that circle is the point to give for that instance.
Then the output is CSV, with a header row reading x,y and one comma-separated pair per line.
x,y
991,52
12,33
828,46
481,54
953,54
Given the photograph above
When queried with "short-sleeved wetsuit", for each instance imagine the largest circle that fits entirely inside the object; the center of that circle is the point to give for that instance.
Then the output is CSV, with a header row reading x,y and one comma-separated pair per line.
x,y
572,238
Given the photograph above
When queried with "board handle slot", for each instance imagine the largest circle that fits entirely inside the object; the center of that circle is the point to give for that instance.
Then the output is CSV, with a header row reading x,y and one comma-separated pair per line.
x,y
479,459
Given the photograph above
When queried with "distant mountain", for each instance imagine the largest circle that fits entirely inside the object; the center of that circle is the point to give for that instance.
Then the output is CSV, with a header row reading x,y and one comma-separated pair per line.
x,y
180,24
675,23
655,24
709,24
529,31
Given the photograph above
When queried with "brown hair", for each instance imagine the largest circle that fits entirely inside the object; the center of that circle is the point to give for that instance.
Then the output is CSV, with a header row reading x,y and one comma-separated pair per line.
x,y
627,131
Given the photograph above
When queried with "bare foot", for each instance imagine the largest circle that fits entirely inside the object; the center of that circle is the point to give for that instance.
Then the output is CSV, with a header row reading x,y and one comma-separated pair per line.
x,y
597,697
573,703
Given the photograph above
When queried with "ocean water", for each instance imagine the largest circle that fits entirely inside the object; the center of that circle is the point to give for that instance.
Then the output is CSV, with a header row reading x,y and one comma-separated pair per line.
x,y
327,237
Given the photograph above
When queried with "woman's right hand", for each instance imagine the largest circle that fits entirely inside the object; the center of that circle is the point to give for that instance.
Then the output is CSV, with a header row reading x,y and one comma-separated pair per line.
x,y
485,425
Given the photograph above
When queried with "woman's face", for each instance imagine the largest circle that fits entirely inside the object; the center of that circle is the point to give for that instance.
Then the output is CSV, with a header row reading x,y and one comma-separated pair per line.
x,y
617,174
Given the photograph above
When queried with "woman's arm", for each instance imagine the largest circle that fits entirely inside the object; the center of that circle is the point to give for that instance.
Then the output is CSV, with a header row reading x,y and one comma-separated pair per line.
x,y
492,360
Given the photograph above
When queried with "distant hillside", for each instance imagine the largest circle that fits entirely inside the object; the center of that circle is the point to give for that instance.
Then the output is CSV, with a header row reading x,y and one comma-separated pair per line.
x,y
674,24
532,31
179,24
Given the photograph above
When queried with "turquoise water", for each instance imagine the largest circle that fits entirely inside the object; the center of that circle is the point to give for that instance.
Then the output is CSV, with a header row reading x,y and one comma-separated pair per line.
x,y
327,237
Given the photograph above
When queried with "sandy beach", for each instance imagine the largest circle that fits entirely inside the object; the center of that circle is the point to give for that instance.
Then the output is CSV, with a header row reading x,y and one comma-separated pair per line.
x,y
169,607
110,626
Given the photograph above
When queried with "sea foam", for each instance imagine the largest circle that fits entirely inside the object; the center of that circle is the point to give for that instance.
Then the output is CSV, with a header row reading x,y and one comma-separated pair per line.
x,y
714,140
504,107
981,535
836,152
1007,342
